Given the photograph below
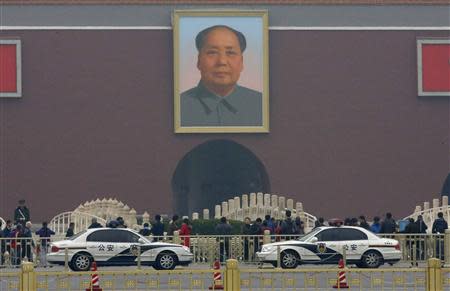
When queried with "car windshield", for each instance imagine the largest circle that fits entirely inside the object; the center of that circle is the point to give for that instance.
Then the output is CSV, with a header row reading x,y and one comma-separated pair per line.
x,y
76,235
310,234
143,237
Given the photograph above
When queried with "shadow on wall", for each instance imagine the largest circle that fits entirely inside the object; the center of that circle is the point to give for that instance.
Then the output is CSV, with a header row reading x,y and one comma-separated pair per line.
x,y
213,172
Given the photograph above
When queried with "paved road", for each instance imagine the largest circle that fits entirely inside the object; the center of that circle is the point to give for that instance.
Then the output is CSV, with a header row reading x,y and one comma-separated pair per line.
x,y
267,278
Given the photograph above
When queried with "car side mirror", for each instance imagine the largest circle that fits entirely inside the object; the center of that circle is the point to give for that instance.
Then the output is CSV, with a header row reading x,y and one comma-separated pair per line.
x,y
314,239
141,241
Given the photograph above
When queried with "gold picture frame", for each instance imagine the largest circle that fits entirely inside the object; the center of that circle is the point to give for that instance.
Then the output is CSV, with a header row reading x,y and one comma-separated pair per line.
x,y
221,71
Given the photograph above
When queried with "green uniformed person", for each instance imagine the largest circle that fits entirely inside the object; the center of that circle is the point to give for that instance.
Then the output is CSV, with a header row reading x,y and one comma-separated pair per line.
x,y
22,213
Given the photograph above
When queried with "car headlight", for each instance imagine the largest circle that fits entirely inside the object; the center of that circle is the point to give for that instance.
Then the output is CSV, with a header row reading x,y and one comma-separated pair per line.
x,y
267,249
186,249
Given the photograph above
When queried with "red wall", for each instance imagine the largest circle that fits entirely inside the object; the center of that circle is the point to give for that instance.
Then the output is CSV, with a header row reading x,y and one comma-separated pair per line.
x,y
348,133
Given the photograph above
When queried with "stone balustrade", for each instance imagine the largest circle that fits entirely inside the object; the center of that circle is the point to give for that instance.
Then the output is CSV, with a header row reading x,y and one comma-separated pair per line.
x,y
102,209
429,214
256,205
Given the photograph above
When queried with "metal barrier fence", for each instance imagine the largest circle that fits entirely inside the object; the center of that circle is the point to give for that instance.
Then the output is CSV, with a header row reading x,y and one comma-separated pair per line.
x,y
431,278
326,279
420,247
206,249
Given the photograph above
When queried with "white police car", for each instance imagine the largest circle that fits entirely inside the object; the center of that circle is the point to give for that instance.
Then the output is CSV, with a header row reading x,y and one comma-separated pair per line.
x,y
117,247
325,245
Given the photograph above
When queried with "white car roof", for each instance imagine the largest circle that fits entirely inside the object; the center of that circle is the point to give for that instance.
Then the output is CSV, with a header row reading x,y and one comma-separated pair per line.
x,y
369,234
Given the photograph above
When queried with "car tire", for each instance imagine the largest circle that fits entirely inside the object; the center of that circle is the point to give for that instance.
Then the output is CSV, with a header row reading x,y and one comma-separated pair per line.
x,y
166,261
289,259
372,259
81,262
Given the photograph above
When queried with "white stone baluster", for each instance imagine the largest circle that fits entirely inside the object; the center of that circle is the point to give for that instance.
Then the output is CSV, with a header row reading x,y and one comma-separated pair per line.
x,y
206,214
217,212
274,201
225,209
231,209
290,204
281,202
237,203
132,217
444,201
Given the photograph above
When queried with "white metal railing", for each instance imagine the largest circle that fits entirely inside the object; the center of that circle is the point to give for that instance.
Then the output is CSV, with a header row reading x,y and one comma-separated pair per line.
x,y
60,223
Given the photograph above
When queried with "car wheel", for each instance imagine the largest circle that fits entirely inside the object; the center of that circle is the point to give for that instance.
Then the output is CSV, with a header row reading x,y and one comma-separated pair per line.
x,y
81,262
166,261
371,259
289,259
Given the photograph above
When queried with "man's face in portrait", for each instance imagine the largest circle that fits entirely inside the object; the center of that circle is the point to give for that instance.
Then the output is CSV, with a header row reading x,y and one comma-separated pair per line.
x,y
220,61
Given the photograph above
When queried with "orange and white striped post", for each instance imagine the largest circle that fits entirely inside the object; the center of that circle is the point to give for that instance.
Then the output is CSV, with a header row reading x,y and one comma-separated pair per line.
x,y
217,282
341,281
95,283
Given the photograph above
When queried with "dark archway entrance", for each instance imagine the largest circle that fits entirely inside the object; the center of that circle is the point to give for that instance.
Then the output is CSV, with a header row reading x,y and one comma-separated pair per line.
x,y
216,171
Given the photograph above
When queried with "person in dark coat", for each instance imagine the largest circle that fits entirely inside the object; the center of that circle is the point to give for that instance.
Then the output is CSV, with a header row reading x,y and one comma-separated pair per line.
x,y
412,228
319,222
44,233
246,231
439,227
388,225
223,230
94,223
288,227
422,227
173,225
299,225
121,222
363,223
257,231
70,230
270,223
146,230
439,224
157,228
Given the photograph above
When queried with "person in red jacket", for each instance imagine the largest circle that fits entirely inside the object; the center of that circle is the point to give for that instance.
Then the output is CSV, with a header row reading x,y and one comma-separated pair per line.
x,y
185,232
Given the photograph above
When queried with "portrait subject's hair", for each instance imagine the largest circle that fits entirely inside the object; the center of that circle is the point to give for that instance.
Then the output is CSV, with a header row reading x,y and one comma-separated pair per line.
x,y
200,38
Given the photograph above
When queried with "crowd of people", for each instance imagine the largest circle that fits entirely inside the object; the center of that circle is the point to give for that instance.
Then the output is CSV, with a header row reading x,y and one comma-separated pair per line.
x,y
17,242
21,246
388,225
